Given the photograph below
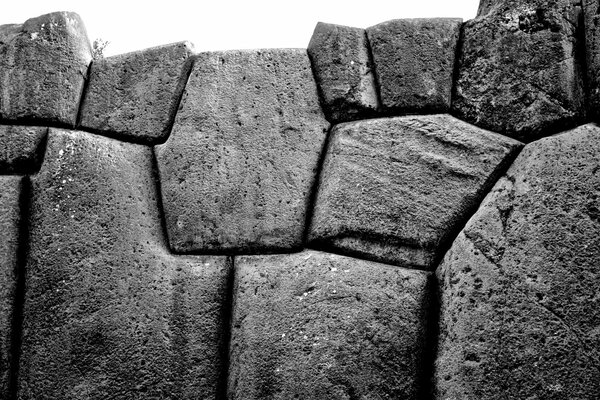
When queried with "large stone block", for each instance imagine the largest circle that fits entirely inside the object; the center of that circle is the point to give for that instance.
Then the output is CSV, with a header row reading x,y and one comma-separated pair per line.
x,y
108,312
520,68
44,64
341,60
397,189
238,169
520,312
313,325
414,63
135,96
21,149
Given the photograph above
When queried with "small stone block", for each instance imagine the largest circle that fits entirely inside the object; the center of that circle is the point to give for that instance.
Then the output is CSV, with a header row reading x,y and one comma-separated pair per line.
x,y
21,149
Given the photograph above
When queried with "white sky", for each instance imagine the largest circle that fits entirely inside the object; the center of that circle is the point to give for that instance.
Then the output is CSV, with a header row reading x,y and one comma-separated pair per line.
x,y
227,25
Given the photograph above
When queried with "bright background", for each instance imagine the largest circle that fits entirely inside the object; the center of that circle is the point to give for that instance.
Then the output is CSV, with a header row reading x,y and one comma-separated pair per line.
x,y
227,25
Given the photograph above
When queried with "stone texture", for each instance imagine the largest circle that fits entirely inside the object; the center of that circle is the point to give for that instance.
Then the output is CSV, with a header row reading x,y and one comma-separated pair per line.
x,y
591,12
520,314
397,189
108,312
414,63
135,96
519,69
238,169
43,65
321,326
21,149
341,61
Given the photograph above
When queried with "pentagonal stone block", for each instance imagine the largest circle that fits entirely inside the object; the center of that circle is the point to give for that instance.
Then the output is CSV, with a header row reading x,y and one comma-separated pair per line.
x,y
313,325
21,149
135,96
519,69
341,61
44,63
108,312
238,169
397,189
520,310
414,63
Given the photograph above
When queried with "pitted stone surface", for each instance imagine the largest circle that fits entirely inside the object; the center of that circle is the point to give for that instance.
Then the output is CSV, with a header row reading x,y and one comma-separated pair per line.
x,y
313,325
396,189
519,69
135,95
238,168
342,64
44,63
520,315
414,62
108,312
591,11
21,148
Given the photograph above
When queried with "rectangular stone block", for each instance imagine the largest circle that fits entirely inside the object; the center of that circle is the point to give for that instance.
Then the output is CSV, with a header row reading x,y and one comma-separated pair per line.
x,y
21,148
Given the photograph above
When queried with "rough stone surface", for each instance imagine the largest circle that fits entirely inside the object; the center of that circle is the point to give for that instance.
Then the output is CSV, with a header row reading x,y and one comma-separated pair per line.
x,y
519,69
108,312
342,64
520,316
135,95
396,189
21,149
238,169
591,11
321,326
43,65
414,62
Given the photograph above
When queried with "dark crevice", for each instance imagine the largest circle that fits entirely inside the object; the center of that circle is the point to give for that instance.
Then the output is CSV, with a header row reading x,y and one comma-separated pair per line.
x,y
159,201
427,383
320,93
373,69
457,63
227,324
83,96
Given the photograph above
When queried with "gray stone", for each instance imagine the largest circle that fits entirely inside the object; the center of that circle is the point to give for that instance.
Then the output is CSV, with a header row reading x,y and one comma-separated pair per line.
x,y
591,12
238,169
135,96
21,149
108,312
414,63
313,325
520,314
44,64
341,60
397,189
519,69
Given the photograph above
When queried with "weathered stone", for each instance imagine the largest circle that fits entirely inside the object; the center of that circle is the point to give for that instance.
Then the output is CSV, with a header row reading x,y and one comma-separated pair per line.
x,y
519,68
43,65
21,148
591,12
341,60
414,63
108,312
520,315
321,326
397,189
134,96
238,169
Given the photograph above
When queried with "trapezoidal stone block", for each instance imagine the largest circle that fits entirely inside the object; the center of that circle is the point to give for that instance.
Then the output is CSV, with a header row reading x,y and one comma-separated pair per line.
x,y
396,190
314,325
341,61
21,148
519,68
44,64
135,96
520,311
108,312
238,168
414,63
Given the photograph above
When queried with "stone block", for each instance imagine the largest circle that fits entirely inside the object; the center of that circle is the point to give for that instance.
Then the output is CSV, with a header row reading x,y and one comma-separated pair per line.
x,y
21,148
591,12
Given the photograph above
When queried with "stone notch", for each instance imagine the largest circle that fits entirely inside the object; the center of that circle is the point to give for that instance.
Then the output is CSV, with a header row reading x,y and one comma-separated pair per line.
x,y
591,12
21,148
108,312
313,325
44,64
395,190
414,63
341,61
519,288
519,69
10,217
135,96
238,168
